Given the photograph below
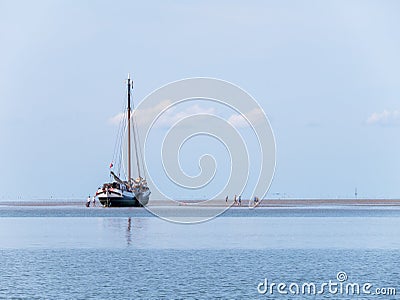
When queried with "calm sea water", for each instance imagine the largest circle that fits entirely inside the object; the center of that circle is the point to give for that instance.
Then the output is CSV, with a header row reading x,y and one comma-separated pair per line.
x,y
95,253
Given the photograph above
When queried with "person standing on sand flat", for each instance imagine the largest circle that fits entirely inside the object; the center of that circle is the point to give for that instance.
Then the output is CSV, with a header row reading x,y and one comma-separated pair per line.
x,y
226,199
234,200
94,201
88,201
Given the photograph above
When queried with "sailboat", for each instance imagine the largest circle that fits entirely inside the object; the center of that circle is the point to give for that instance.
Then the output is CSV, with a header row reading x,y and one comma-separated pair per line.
x,y
130,192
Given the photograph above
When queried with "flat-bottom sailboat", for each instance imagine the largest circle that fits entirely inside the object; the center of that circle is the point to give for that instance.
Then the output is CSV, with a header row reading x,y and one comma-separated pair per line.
x,y
130,192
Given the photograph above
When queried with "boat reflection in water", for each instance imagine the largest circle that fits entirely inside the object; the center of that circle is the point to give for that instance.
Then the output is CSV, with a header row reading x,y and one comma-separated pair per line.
x,y
124,231
128,232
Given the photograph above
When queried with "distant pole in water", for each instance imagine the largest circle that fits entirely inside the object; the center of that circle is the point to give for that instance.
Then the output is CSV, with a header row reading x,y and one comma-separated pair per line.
x,y
129,128
355,193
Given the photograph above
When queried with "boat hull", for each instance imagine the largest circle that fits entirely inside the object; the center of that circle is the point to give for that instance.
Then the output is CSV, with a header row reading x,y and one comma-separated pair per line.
x,y
119,202
118,198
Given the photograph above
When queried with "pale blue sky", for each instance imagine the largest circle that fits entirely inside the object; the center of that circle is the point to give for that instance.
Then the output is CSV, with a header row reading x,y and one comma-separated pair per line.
x,y
325,72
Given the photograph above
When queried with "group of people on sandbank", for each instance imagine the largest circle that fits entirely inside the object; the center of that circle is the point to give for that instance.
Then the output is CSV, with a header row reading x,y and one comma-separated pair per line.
x,y
237,201
91,200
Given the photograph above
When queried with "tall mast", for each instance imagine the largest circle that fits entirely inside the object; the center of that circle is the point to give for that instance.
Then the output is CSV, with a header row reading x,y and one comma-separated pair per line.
x,y
129,128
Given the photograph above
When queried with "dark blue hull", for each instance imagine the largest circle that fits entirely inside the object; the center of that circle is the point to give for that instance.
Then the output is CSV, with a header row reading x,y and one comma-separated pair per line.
x,y
120,202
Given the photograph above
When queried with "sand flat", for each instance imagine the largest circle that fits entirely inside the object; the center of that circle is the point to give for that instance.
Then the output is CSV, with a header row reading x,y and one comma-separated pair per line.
x,y
264,203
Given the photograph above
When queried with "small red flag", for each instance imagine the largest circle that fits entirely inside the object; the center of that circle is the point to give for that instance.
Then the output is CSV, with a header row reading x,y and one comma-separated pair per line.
x,y
111,165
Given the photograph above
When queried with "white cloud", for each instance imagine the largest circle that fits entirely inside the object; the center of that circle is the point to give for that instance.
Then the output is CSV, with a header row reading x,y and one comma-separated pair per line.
x,y
116,119
385,118
254,116
168,117
173,115
238,121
